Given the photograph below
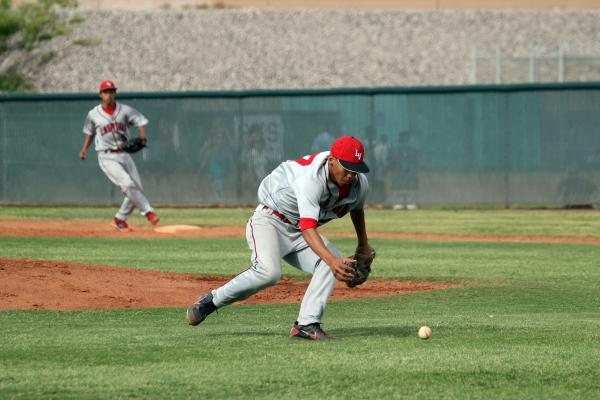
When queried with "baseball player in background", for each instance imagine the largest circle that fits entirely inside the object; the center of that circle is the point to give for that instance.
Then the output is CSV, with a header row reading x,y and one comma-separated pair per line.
x,y
296,198
109,124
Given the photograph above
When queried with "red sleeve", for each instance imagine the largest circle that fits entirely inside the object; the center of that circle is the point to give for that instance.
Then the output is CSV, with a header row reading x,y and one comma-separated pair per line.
x,y
308,223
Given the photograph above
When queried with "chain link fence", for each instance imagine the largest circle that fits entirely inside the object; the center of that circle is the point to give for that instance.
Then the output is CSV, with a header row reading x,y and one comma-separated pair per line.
x,y
501,145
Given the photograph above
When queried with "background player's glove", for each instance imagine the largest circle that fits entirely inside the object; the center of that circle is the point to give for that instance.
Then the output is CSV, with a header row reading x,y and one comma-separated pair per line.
x,y
360,269
134,145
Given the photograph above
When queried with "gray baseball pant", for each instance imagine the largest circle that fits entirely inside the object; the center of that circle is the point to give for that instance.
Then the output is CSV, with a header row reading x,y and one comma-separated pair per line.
x,y
272,240
121,170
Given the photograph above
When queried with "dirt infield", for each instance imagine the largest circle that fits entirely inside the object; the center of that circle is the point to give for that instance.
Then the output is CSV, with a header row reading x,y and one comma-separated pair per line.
x,y
83,228
80,228
56,285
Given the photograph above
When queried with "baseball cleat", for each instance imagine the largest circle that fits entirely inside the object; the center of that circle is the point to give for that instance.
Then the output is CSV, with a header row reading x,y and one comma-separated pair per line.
x,y
310,332
120,225
153,218
201,309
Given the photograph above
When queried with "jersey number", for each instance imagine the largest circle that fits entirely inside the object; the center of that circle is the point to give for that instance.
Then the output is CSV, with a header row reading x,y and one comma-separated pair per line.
x,y
306,160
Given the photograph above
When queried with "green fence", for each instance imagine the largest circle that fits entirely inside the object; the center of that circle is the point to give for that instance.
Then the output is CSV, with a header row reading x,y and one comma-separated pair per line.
x,y
504,145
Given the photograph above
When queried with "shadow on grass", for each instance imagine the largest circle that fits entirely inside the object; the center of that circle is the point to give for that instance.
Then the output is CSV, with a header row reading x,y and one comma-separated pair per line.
x,y
377,331
395,331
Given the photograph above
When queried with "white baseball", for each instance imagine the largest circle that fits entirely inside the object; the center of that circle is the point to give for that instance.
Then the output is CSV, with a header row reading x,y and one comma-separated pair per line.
x,y
425,332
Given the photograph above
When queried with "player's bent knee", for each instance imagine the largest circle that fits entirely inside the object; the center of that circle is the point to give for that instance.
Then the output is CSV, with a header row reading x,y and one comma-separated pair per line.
x,y
268,273
127,186
271,277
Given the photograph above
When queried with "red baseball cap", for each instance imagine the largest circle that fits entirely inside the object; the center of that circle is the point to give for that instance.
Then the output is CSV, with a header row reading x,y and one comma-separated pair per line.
x,y
351,153
107,85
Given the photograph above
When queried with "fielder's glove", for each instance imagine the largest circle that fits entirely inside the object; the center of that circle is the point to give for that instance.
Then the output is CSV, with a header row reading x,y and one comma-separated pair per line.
x,y
134,145
360,269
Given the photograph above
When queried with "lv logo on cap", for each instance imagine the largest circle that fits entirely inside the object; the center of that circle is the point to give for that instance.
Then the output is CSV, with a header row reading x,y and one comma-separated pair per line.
x,y
357,154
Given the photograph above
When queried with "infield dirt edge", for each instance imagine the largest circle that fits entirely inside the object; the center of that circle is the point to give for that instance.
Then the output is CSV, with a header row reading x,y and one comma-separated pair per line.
x,y
31,284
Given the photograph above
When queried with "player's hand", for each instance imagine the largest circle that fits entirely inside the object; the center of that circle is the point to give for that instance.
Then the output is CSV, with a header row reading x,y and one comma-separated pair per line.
x,y
341,271
82,154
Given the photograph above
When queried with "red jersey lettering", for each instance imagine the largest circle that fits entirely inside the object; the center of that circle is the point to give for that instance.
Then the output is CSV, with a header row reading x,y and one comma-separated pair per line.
x,y
113,127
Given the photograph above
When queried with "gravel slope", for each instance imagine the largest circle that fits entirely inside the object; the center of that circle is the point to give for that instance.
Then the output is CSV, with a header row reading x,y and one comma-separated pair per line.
x,y
167,50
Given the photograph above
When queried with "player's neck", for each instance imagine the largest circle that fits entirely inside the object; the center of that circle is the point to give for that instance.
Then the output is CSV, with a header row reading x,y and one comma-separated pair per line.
x,y
109,107
341,185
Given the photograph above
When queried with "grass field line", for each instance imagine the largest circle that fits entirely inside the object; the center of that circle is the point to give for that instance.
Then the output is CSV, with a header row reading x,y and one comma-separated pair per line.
x,y
537,224
91,228
474,238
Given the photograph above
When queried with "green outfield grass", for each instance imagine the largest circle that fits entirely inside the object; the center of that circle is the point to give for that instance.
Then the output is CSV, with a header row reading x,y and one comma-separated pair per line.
x,y
438,221
524,326
487,343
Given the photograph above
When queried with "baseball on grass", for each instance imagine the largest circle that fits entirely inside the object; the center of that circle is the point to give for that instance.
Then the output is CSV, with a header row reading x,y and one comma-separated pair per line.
x,y
424,332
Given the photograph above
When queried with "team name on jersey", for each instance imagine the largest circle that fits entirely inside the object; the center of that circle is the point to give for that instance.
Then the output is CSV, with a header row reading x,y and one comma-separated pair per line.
x,y
113,127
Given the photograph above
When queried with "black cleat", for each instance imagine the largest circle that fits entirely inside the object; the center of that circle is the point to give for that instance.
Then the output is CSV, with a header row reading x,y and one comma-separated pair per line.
x,y
310,332
201,309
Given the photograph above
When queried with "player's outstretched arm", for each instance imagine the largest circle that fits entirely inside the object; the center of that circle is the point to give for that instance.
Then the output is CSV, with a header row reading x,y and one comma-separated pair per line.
x,y
341,271
358,219
86,145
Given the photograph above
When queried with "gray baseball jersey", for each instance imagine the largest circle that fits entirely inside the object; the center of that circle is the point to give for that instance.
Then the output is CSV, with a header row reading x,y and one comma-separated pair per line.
x,y
301,190
112,130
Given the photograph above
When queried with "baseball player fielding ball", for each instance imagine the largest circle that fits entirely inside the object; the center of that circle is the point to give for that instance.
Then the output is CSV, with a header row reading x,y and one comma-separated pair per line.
x,y
107,125
294,200
425,332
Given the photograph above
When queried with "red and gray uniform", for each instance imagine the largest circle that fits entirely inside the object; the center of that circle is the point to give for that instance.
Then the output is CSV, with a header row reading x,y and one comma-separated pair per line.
x,y
297,195
111,129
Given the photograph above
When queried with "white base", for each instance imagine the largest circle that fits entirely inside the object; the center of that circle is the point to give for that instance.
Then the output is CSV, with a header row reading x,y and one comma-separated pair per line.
x,y
176,228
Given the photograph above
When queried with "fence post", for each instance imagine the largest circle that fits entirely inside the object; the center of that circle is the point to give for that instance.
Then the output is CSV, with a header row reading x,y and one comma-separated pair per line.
x,y
3,163
504,117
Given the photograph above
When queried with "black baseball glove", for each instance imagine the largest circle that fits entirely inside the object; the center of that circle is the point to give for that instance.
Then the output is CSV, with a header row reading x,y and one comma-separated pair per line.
x,y
360,269
134,145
